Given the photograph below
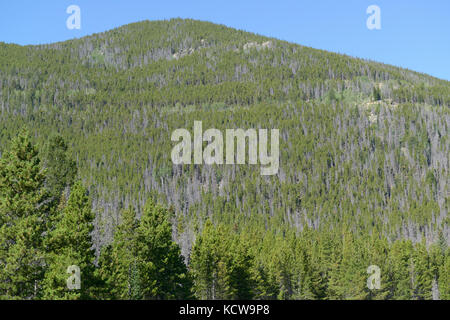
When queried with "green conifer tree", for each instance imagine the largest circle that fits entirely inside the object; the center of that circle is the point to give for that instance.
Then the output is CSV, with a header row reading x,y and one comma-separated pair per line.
x,y
61,169
444,278
222,264
204,260
24,206
119,267
70,243
162,272
402,269
422,276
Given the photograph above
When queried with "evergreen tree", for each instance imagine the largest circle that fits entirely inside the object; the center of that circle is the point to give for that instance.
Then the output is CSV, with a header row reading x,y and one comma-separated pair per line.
x,y
61,169
70,243
376,94
402,270
422,276
237,266
350,276
24,206
119,266
162,272
221,265
203,262
444,278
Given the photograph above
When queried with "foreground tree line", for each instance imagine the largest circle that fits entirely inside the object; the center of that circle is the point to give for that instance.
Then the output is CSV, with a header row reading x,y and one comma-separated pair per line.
x,y
46,225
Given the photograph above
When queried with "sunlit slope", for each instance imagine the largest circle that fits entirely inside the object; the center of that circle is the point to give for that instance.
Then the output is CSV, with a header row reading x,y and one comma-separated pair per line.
x,y
363,145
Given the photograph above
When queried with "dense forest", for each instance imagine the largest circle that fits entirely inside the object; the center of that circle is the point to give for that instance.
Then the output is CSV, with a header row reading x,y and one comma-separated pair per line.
x,y
86,177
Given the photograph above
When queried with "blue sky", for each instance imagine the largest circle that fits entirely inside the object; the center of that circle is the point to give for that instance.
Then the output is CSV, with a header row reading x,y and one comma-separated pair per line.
x,y
414,34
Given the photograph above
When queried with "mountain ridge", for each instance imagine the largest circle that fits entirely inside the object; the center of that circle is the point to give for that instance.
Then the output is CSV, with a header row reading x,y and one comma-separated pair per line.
x,y
223,26
148,23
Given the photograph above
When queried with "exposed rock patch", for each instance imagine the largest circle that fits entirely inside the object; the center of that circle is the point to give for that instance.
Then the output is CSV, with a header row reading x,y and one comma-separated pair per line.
x,y
257,46
183,53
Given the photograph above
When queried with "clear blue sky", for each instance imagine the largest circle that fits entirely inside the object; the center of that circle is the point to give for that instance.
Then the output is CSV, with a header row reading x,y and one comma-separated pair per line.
x,y
414,34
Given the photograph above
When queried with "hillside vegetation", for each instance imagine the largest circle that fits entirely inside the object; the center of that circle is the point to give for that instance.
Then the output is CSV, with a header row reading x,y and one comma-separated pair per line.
x,y
363,178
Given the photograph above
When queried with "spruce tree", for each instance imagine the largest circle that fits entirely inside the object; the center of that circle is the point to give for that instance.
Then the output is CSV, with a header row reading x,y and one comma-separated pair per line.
x,y
203,262
70,243
162,272
376,94
422,276
24,206
119,266
61,169
401,256
350,277
241,262
222,264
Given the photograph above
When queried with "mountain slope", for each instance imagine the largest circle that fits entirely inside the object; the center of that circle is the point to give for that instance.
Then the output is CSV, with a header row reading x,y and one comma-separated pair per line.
x,y
363,145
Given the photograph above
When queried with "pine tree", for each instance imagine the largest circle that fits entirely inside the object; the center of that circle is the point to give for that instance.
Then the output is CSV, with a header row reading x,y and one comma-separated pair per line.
x,y
221,264
203,262
24,206
162,272
119,266
423,276
240,262
349,277
376,94
70,243
402,269
444,278
61,169
378,256
59,177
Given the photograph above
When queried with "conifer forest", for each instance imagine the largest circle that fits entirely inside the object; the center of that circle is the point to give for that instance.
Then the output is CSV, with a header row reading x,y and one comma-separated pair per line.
x,y
87,179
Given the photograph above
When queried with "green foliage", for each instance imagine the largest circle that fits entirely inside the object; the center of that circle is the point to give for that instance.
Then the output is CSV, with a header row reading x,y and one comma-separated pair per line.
x,y
70,243
23,209
162,272
221,265
362,179
376,94
61,169
444,278
119,264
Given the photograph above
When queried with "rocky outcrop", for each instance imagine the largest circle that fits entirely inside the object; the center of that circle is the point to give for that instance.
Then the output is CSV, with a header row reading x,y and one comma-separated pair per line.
x,y
257,46
183,53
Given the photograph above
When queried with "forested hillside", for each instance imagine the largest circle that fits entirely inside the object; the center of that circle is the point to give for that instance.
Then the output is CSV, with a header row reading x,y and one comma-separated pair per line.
x,y
363,178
